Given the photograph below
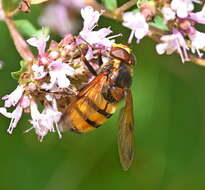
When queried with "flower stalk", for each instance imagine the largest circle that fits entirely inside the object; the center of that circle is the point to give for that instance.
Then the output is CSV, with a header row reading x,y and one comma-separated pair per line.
x,y
179,11
20,44
24,6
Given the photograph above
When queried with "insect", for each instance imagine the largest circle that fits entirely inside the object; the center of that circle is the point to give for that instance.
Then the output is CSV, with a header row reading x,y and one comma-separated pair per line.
x,y
95,103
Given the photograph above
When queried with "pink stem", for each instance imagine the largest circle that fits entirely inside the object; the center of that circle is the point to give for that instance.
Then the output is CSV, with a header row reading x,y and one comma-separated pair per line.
x,y
21,46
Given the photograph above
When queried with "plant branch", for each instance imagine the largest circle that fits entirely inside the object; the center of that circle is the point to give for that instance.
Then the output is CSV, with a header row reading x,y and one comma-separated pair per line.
x,y
23,6
97,6
119,11
116,14
21,46
194,59
155,33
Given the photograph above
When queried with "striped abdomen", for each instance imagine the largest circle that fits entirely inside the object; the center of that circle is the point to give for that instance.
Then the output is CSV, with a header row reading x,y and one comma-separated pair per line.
x,y
98,101
88,113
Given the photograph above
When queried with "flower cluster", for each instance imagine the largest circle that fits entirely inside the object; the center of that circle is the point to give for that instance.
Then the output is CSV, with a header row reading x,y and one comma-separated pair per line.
x,y
178,19
56,74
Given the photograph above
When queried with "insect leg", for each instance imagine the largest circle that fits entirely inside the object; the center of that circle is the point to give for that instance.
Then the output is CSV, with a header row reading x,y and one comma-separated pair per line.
x,y
99,58
89,66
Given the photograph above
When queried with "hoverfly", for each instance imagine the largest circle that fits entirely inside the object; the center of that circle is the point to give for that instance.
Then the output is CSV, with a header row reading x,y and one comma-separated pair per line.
x,y
95,103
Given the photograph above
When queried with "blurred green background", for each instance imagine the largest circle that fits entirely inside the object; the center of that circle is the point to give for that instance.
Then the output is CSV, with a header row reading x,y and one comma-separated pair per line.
x,y
169,99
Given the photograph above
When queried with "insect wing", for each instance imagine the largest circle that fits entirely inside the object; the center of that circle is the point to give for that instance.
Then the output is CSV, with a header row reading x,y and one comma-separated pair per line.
x,y
126,133
84,101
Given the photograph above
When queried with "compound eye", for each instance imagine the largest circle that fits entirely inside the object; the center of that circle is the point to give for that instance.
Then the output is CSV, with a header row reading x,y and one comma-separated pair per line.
x,y
120,53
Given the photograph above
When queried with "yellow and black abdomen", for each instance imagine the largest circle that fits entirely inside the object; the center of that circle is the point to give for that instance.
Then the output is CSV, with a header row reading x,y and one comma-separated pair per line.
x,y
99,100
88,114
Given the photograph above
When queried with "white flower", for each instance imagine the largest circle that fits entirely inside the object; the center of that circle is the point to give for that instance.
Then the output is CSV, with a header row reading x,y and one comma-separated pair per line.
x,y
199,16
98,37
45,121
35,114
38,71
168,13
197,42
15,116
137,23
38,121
39,41
58,72
25,102
171,43
17,99
183,7
90,17
13,98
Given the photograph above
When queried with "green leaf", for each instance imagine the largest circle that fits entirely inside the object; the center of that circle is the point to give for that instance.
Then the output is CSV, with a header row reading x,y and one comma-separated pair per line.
x,y
159,23
16,75
26,28
110,4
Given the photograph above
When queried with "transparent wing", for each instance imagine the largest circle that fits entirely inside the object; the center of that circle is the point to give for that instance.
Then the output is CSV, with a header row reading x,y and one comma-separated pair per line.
x,y
126,133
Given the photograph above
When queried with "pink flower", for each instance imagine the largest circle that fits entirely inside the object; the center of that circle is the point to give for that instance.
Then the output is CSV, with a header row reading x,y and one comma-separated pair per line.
x,y
197,42
183,7
25,102
38,121
13,98
16,98
39,41
15,116
91,18
137,23
45,121
57,17
171,43
38,71
58,72
98,37
168,13
199,17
